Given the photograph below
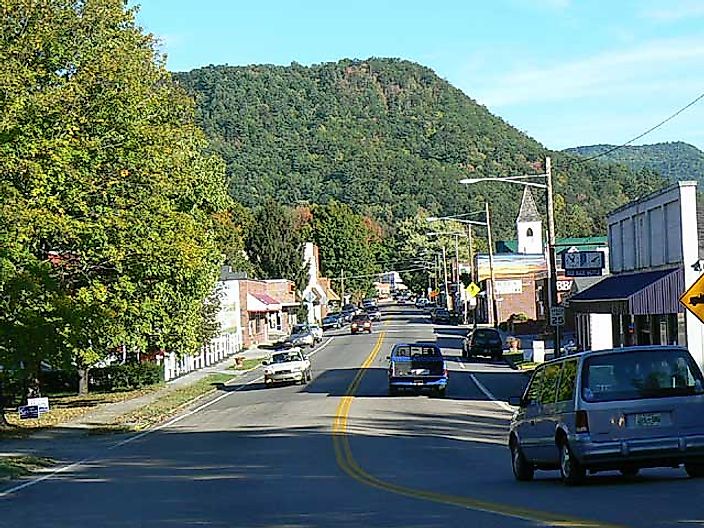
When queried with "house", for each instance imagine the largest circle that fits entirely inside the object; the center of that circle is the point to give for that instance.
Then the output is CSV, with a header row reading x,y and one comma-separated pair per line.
x,y
656,245
318,294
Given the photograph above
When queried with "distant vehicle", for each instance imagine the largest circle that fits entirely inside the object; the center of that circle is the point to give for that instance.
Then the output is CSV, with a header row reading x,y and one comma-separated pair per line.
x,y
349,311
313,328
301,337
483,342
374,313
429,307
619,409
417,366
441,315
369,303
421,302
333,320
361,323
289,366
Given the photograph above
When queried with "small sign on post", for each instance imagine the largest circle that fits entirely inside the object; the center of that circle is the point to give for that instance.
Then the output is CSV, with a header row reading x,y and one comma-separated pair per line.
x,y
539,351
41,403
27,412
557,316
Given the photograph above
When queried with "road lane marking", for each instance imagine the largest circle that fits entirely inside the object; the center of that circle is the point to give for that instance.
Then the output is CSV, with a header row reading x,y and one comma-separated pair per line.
x,y
348,464
490,395
140,435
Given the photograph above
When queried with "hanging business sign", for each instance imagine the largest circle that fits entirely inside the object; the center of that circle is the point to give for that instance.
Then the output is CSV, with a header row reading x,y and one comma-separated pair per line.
x,y
583,263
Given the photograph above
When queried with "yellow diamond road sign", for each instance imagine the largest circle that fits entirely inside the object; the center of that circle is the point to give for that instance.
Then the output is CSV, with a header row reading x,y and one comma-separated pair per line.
x,y
473,290
693,298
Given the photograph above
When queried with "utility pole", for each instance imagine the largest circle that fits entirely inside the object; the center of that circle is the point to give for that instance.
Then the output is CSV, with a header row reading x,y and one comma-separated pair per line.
x,y
444,267
552,272
455,306
494,308
342,286
471,270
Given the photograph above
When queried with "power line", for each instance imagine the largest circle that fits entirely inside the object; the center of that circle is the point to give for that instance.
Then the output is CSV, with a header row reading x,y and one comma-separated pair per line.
x,y
661,123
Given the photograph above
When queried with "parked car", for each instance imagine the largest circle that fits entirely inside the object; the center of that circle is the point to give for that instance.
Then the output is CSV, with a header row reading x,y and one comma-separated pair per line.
x,y
361,323
483,342
421,302
349,311
301,336
417,366
374,313
429,307
333,320
313,328
288,366
441,316
369,303
620,409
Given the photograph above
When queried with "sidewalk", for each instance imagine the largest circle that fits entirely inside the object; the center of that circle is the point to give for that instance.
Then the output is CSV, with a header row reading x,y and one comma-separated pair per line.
x,y
108,413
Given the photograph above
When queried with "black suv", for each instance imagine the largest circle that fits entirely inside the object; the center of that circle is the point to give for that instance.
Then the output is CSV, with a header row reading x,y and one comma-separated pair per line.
x,y
483,342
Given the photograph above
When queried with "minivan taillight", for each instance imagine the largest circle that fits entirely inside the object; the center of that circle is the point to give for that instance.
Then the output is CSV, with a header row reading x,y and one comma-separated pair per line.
x,y
582,422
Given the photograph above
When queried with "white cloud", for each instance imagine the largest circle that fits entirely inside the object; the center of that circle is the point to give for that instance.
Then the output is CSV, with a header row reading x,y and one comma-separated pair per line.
x,y
642,69
674,11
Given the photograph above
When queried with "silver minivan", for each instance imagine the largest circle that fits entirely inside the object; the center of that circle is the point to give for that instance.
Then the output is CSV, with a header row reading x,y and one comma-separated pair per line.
x,y
622,409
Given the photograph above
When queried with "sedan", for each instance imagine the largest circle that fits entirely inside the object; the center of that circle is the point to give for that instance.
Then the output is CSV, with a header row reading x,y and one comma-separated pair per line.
x,y
333,320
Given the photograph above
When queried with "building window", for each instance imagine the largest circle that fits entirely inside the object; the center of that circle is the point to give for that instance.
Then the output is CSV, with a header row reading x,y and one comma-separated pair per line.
x,y
529,232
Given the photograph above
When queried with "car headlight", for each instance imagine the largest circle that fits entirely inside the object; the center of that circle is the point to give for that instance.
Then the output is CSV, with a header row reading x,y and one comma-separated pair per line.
x,y
268,371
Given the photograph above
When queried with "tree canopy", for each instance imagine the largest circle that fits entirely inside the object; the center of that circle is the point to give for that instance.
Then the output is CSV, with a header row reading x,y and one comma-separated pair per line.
x,y
109,202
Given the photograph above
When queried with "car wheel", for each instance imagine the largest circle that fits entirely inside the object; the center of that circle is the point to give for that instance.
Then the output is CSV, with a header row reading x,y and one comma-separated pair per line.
x,y
629,472
522,469
571,471
694,469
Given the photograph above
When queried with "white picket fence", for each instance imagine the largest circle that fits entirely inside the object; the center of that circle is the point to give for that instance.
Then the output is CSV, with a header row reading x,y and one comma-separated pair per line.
x,y
219,348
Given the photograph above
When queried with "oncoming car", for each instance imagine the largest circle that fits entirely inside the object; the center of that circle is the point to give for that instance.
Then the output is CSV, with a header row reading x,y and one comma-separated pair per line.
x,y
361,323
288,366
620,409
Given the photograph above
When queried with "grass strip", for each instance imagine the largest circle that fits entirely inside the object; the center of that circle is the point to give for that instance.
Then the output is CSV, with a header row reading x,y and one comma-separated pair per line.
x,y
65,408
167,405
247,364
12,467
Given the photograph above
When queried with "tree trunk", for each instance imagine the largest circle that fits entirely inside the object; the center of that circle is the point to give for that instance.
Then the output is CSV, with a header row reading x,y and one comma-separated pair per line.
x,y
3,420
82,381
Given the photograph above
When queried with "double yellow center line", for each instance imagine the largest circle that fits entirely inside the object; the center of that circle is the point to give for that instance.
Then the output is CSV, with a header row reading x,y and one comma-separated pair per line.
x,y
347,462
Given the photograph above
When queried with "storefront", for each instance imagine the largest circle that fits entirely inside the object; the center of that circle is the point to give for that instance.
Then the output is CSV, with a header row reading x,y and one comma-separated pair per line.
x,y
654,250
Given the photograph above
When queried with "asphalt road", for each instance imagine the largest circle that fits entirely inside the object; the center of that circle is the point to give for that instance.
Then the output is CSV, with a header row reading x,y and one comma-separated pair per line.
x,y
340,452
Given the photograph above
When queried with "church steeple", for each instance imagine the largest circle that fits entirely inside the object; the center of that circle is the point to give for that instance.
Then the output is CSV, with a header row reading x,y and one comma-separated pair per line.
x,y
529,226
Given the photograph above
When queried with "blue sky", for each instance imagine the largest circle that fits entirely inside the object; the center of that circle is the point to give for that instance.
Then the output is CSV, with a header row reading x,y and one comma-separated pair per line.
x,y
566,72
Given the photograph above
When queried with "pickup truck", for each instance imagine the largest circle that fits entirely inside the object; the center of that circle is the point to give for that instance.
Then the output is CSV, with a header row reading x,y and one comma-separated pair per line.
x,y
417,366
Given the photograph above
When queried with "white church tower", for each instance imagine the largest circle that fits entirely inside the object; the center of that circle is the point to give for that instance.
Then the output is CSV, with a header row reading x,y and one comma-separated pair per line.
x,y
529,226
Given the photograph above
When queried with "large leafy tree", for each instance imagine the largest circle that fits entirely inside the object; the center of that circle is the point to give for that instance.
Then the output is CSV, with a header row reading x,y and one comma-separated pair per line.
x,y
108,202
349,245
276,243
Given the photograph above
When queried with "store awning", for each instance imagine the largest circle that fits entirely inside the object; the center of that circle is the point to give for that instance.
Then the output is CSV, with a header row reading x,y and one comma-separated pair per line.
x,y
645,293
262,302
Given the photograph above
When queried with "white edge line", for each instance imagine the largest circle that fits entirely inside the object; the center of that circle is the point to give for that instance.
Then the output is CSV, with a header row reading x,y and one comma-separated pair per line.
x,y
488,394
137,436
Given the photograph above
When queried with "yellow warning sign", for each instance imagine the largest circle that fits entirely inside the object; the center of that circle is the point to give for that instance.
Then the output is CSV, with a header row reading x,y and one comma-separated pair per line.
x,y
693,298
472,289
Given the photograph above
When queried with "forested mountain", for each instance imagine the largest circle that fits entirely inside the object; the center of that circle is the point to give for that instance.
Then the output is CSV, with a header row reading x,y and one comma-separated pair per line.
x,y
388,137
675,161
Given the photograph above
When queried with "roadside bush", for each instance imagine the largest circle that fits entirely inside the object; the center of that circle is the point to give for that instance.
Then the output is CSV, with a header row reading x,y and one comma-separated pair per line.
x,y
125,377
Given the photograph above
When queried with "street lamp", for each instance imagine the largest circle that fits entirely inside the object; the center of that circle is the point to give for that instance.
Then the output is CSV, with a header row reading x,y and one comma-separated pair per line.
x,y
552,272
444,266
492,279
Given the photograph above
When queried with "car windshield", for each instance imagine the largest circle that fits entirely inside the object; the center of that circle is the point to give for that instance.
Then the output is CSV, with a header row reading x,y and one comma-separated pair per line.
x,y
486,337
417,350
285,357
299,329
640,374
360,319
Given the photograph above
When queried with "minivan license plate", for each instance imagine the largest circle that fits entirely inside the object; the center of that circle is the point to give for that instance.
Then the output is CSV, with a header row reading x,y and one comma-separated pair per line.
x,y
649,419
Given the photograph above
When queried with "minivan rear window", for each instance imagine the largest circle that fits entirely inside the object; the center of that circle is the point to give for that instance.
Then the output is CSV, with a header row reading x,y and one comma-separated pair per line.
x,y
640,374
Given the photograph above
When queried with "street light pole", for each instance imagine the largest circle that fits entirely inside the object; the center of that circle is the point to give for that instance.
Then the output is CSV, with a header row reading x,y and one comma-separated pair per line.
x,y
494,308
552,271
444,267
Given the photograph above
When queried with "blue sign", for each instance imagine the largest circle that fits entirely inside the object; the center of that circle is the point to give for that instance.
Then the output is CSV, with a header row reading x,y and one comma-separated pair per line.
x,y
583,263
28,411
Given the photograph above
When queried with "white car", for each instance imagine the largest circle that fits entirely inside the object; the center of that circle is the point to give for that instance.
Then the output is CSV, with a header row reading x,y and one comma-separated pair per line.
x,y
287,366
307,328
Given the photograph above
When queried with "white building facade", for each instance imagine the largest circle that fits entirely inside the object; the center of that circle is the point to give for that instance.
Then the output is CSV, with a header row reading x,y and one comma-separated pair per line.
x,y
655,244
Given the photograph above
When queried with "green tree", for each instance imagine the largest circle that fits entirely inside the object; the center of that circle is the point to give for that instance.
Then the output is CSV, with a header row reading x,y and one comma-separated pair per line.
x,y
108,200
276,244
348,245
